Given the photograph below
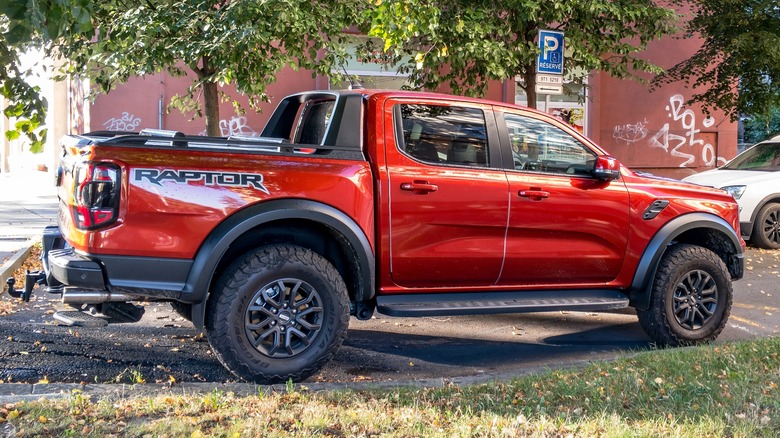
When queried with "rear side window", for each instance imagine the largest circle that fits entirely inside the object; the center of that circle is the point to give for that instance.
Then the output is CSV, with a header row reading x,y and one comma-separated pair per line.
x,y
441,134
302,119
314,120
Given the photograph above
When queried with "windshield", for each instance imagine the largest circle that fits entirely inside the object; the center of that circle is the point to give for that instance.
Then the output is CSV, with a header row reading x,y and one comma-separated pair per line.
x,y
763,156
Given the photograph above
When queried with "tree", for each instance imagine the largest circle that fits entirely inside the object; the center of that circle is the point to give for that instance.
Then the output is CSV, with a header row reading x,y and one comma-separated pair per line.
x,y
760,128
494,40
220,42
737,68
27,24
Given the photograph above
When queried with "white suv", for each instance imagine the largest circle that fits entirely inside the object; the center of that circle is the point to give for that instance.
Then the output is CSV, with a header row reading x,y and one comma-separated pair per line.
x,y
753,178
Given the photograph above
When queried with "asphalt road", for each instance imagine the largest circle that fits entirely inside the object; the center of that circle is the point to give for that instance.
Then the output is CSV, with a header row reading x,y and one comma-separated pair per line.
x,y
163,347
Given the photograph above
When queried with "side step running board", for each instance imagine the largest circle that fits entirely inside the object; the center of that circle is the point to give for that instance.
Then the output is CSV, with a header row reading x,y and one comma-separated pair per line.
x,y
77,318
499,302
100,315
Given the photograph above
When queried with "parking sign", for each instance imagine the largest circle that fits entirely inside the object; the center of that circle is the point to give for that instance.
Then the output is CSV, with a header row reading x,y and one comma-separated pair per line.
x,y
551,52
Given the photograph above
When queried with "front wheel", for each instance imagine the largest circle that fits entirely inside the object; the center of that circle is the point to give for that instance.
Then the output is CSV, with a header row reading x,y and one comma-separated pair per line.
x,y
279,312
766,230
691,297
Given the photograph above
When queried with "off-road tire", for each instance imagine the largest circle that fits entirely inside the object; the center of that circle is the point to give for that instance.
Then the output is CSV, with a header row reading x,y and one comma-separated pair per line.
x,y
767,222
247,292
681,272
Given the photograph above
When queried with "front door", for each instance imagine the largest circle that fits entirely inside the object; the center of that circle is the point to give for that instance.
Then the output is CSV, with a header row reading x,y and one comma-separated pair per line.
x,y
566,227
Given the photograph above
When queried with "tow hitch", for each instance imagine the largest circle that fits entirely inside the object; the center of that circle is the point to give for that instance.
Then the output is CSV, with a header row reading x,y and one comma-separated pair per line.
x,y
30,280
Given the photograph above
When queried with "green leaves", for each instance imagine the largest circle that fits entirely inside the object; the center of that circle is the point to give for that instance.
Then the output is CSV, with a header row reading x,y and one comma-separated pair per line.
x,y
243,43
493,40
737,68
34,23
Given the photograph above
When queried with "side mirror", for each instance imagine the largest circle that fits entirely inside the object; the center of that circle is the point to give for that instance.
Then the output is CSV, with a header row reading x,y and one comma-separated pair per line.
x,y
606,168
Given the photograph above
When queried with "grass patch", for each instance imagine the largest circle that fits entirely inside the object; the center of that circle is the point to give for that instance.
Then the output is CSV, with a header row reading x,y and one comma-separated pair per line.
x,y
724,390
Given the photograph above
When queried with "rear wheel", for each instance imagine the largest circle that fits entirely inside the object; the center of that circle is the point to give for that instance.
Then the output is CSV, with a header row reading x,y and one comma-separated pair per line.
x,y
279,312
691,297
766,229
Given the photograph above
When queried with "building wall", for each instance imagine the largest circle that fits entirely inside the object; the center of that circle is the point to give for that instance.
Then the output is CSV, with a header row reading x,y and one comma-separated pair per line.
x,y
144,103
655,130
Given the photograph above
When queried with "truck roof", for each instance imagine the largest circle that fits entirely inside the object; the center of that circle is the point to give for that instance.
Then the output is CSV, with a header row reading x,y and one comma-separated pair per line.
x,y
382,94
385,93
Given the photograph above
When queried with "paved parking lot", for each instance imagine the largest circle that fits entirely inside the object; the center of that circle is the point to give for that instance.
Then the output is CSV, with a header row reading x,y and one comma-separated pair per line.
x,y
164,347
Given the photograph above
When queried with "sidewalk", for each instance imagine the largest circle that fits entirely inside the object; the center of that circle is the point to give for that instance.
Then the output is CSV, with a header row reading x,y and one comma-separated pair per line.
x,y
28,203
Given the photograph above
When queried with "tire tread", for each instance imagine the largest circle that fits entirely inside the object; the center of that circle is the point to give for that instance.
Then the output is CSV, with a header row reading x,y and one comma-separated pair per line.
x,y
654,320
227,290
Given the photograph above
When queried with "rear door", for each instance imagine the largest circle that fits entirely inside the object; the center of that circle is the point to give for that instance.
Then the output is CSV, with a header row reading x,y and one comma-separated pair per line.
x,y
566,227
447,195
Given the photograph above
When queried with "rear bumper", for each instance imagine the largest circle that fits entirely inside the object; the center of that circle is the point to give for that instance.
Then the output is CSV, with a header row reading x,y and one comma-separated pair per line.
x,y
64,267
143,277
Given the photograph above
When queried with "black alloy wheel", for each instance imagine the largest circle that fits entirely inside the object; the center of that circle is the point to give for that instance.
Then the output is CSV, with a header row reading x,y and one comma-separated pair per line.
x,y
695,300
284,318
277,313
691,297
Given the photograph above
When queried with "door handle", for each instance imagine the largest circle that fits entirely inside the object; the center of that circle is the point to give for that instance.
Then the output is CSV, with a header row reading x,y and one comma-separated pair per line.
x,y
419,187
534,193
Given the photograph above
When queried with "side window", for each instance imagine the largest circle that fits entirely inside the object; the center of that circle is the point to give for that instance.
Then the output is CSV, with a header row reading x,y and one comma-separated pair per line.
x,y
313,121
442,134
541,147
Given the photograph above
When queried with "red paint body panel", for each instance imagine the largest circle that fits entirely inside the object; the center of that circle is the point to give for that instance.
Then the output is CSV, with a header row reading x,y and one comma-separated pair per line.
x,y
172,220
577,236
685,199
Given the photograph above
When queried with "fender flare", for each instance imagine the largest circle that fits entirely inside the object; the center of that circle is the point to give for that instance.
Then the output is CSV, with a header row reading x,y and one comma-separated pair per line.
x,y
642,284
214,247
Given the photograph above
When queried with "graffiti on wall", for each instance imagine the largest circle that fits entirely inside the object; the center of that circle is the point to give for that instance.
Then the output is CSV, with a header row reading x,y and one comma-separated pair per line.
x,y
682,145
679,146
235,126
125,122
631,132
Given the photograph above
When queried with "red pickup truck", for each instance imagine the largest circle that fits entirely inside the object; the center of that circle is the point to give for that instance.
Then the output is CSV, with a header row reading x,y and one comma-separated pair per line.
x,y
404,203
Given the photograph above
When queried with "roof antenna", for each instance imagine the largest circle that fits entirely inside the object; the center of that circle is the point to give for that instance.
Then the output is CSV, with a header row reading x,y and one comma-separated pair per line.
x,y
353,84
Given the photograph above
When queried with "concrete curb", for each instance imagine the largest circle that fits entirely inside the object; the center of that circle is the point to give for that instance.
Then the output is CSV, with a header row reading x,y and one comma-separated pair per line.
x,y
18,392
21,392
8,268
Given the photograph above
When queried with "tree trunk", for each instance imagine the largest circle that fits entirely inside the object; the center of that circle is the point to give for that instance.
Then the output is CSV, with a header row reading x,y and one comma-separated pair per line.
x,y
211,103
530,86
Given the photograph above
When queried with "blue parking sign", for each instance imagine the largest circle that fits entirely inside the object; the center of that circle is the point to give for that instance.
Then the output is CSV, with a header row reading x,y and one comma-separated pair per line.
x,y
550,52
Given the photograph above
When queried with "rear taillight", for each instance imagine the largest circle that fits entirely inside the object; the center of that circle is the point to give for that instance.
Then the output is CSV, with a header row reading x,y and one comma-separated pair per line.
x,y
96,195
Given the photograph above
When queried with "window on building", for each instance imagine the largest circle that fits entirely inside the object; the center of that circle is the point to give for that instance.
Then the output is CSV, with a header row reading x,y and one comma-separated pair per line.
x,y
375,70
372,81
569,107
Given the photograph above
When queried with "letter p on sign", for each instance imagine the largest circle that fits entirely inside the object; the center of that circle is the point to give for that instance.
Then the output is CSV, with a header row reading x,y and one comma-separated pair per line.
x,y
550,45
